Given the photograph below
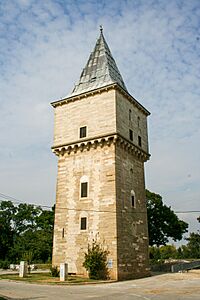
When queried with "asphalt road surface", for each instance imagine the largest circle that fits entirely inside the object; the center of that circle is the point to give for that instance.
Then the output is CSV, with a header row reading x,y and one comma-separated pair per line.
x,y
180,286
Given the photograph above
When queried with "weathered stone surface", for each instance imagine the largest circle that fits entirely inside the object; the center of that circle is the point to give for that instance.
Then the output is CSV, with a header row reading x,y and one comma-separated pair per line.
x,y
23,269
112,172
128,116
63,271
99,207
97,112
112,163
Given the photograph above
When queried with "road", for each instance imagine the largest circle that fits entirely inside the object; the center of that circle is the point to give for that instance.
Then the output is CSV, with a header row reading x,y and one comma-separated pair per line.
x,y
181,286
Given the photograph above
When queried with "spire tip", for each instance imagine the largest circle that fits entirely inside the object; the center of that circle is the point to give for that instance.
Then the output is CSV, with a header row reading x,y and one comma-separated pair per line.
x,y
101,29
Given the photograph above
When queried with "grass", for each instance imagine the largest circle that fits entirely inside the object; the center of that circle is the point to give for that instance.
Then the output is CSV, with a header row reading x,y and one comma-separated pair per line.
x,y
47,278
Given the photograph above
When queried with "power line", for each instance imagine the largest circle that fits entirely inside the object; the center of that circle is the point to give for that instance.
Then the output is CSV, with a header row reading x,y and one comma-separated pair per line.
x,y
17,201
187,211
9,198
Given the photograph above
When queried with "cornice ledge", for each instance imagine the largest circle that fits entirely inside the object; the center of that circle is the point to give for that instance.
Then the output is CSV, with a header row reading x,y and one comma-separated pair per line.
x,y
132,148
101,142
84,145
100,90
83,95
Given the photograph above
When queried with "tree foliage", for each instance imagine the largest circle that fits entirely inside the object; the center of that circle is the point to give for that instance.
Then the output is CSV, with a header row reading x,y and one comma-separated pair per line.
x,y
162,252
26,231
163,223
96,261
189,251
7,210
194,245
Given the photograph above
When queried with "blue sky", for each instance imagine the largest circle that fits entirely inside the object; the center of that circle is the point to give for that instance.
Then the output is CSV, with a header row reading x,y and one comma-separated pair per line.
x,y
43,47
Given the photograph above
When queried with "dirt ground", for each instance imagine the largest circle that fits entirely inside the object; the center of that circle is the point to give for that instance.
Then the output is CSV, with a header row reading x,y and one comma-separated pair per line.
x,y
169,286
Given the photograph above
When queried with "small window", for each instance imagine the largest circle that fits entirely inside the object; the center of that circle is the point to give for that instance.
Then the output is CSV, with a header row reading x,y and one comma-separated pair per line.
x,y
84,189
83,132
63,233
130,114
139,141
133,200
138,120
83,223
131,134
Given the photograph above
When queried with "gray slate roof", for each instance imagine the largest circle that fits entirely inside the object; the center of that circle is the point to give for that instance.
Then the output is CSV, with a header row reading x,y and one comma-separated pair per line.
x,y
100,70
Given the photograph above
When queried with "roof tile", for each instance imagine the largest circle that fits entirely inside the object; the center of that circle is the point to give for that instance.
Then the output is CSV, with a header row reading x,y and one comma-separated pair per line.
x,y
100,70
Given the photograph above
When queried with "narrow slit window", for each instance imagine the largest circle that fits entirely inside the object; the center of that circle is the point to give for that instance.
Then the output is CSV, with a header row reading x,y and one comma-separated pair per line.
x,y
83,223
130,114
63,233
138,120
83,131
133,200
131,134
139,141
84,189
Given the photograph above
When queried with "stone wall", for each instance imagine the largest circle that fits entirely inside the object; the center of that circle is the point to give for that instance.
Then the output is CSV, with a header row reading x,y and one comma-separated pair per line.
x,y
132,231
114,170
97,112
137,122
98,165
131,220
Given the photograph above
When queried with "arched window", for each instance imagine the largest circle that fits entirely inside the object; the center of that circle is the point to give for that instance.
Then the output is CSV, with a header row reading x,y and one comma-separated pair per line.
x,y
83,223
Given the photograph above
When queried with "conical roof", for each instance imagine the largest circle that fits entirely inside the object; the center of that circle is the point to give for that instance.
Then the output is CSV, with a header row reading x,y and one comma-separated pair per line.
x,y
100,70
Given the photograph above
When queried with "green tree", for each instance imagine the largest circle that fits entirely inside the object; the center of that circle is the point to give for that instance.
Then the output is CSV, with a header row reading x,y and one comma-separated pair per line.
x,y
45,220
96,261
192,249
154,253
25,217
37,238
7,210
193,245
25,229
183,252
163,223
162,252
168,251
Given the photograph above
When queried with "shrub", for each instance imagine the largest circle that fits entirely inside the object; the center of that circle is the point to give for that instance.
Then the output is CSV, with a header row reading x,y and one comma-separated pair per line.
x,y
4,264
96,261
54,271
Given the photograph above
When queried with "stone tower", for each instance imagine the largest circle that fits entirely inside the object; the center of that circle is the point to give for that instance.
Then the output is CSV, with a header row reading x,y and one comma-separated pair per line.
x,y
100,138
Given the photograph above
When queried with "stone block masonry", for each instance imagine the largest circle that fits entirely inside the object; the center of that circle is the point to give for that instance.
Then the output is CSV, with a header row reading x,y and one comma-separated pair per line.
x,y
101,140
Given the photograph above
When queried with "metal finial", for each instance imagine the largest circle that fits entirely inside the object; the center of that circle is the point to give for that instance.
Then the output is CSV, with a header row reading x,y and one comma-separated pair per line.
x,y
101,29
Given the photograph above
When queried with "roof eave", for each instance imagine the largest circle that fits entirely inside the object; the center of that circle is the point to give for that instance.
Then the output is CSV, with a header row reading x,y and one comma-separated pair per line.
x,y
99,90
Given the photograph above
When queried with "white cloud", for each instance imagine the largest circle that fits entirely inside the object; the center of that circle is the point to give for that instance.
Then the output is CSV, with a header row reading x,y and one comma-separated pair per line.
x,y
45,45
